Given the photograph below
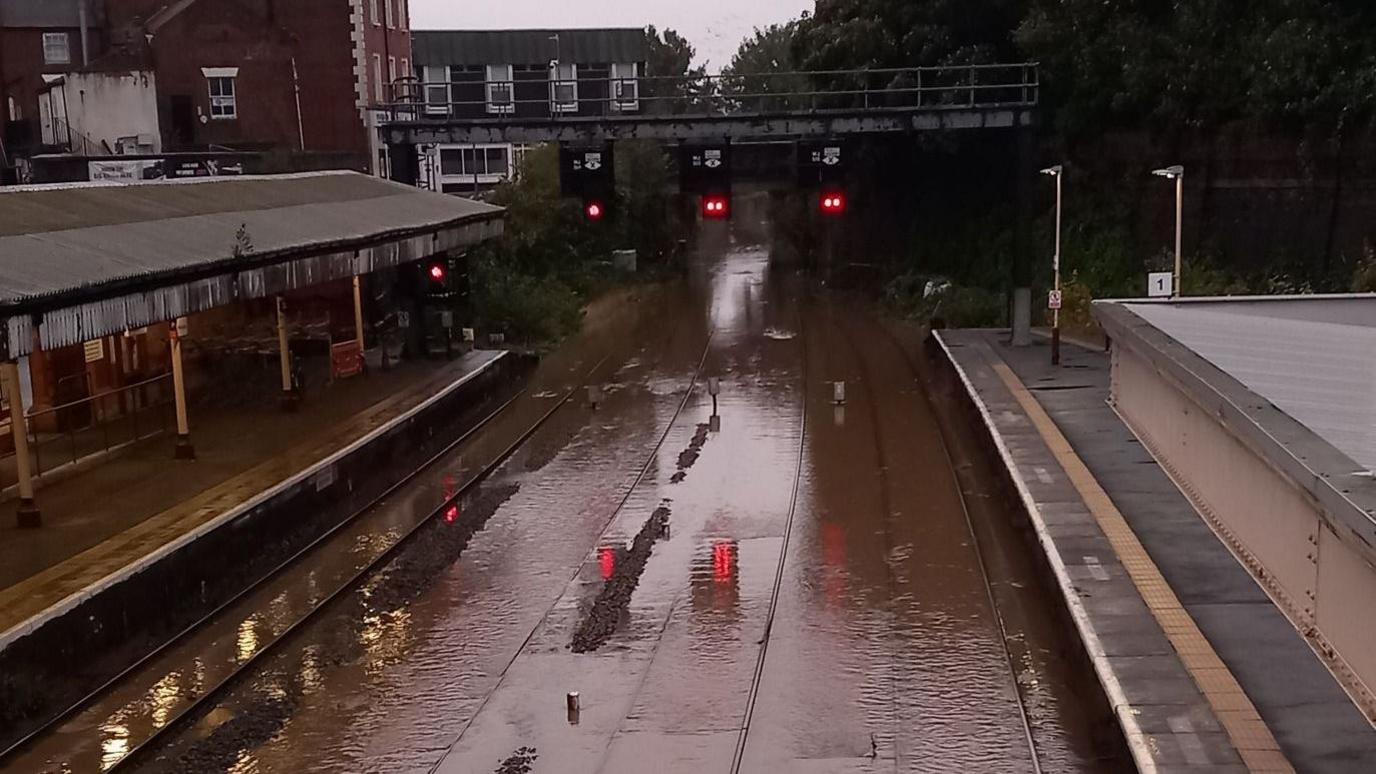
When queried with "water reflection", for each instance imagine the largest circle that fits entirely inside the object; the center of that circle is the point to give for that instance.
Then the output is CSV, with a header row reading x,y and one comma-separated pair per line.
x,y
114,746
247,643
166,696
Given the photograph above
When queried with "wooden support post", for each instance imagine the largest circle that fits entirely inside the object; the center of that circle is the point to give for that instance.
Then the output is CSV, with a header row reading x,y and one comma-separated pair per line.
x,y
183,450
358,312
290,398
28,514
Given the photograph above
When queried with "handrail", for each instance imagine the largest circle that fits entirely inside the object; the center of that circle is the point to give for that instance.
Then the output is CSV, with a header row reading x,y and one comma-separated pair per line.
x,y
934,87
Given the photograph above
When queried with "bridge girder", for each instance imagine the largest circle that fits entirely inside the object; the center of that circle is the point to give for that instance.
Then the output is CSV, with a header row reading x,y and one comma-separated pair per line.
x,y
705,127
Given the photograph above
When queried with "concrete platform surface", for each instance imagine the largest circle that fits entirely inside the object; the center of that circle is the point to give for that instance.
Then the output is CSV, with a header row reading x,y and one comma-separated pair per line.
x,y
1259,682
111,516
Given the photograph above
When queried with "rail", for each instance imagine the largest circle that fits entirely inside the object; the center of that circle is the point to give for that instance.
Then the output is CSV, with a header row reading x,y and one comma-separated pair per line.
x,y
64,434
963,87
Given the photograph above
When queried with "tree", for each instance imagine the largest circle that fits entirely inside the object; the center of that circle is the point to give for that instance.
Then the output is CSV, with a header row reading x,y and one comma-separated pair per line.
x,y
673,84
766,64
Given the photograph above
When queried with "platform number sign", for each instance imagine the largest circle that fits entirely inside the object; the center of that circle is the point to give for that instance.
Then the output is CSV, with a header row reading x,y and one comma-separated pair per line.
x,y
1053,300
1160,284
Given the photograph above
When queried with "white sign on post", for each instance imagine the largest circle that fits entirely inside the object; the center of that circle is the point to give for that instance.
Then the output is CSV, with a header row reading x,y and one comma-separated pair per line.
x,y
1160,284
1053,300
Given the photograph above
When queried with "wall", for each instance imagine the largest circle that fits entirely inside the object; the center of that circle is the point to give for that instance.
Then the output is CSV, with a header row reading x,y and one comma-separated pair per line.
x,y
108,106
262,38
22,68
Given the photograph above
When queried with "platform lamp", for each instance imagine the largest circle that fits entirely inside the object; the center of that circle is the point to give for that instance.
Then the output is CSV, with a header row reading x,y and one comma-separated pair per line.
x,y
1058,172
1176,173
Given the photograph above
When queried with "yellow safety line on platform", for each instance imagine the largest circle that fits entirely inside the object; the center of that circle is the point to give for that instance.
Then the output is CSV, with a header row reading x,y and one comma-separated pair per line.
x,y
1249,733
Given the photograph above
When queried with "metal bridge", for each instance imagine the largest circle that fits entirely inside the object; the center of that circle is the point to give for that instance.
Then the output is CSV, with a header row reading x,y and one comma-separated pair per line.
x,y
814,103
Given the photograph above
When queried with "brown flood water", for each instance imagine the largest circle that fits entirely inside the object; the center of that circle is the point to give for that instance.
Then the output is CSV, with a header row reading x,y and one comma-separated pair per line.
x,y
881,651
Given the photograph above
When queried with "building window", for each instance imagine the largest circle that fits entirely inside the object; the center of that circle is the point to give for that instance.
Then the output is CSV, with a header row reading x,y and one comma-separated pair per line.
x,y
402,14
373,13
484,164
391,78
387,4
56,49
625,89
220,84
436,81
377,78
501,89
563,88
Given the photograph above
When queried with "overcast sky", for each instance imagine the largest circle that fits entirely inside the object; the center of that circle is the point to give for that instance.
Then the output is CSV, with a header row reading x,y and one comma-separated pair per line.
x,y
714,27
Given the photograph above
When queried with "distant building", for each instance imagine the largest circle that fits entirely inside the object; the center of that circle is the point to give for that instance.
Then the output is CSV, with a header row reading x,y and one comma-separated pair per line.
x,y
39,40
482,74
298,76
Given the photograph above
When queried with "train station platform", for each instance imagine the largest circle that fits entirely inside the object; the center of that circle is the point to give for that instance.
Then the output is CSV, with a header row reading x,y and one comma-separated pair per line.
x,y
110,516
1203,669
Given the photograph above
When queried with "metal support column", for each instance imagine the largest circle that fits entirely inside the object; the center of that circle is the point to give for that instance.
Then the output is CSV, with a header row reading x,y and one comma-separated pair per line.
x,y
28,514
184,450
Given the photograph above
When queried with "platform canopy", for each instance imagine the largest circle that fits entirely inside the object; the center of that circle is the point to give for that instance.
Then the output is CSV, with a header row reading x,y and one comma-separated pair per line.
x,y
81,261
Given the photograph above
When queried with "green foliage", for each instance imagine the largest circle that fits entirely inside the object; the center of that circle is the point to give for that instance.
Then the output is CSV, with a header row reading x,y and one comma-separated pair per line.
x,y
533,282
687,89
1204,62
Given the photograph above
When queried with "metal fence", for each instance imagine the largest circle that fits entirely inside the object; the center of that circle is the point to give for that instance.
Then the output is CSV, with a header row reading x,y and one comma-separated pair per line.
x,y
984,86
66,433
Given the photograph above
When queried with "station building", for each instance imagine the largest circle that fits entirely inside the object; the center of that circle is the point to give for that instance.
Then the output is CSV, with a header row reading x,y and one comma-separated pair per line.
x,y
117,300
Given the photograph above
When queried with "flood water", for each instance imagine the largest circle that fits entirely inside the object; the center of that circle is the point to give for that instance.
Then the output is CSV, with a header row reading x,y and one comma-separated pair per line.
x,y
807,590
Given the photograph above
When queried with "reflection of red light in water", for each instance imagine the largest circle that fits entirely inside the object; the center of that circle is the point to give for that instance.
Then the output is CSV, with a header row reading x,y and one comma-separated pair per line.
x,y
834,571
452,514
451,487
723,562
607,558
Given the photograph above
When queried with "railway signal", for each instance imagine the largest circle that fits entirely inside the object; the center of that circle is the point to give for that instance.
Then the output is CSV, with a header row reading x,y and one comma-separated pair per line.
x,y
833,203
716,207
438,273
594,210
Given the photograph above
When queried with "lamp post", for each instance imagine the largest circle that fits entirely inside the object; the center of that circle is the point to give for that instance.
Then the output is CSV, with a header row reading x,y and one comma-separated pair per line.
x,y
1176,173
1058,172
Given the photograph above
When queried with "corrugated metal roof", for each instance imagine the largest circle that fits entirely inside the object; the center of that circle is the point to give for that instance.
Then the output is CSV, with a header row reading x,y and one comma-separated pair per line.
x,y
1309,357
70,240
42,13
527,47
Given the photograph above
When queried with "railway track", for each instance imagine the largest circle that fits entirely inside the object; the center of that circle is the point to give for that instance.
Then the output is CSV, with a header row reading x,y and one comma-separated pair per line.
x,y
135,752
611,517
867,384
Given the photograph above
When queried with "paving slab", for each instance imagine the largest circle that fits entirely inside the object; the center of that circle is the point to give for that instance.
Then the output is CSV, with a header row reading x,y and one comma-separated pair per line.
x,y
1311,720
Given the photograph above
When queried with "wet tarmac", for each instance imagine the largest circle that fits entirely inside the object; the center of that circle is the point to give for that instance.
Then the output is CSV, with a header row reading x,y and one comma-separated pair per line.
x,y
787,584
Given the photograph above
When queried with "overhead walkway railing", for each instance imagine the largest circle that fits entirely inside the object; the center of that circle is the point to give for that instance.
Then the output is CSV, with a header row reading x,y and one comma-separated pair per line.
x,y
805,92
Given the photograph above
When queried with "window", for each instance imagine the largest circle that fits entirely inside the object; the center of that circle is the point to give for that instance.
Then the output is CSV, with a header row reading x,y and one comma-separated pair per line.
x,y
563,88
500,89
373,13
625,89
377,78
56,49
391,77
489,164
436,81
402,15
222,100
388,6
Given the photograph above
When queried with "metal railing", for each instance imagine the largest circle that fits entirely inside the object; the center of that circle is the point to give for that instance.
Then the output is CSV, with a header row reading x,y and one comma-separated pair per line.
x,y
65,434
967,87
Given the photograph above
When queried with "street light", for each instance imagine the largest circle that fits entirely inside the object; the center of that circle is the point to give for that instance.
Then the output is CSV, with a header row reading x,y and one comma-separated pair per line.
x,y
1057,172
1176,173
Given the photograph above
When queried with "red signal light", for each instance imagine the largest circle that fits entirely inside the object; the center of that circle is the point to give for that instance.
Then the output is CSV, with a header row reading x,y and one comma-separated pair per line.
x,y
833,203
716,207
594,210
437,272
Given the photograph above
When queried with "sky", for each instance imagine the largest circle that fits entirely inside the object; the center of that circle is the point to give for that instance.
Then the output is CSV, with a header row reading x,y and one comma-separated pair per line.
x,y
714,27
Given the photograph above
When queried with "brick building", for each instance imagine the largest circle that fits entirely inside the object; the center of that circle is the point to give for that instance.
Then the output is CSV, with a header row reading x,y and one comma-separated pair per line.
x,y
251,75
